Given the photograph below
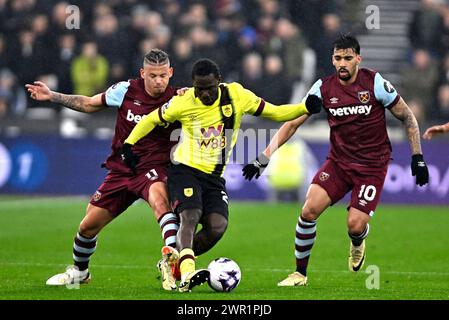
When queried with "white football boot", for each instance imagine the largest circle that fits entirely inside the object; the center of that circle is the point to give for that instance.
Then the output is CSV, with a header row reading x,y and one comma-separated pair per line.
x,y
72,276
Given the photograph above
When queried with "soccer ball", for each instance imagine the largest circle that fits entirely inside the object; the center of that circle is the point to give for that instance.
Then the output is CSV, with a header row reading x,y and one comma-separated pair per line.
x,y
225,274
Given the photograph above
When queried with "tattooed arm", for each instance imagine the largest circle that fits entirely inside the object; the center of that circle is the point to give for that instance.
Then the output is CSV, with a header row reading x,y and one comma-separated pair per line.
x,y
39,91
402,112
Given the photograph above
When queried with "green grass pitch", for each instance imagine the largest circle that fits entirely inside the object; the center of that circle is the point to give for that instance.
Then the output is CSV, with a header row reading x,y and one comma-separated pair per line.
x,y
408,245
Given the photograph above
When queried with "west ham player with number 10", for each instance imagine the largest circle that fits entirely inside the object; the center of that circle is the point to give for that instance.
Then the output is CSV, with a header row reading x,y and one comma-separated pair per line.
x,y
355,100
133,100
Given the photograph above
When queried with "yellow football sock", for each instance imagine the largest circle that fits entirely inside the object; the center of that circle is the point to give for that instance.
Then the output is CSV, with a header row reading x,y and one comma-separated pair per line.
x,y
186,261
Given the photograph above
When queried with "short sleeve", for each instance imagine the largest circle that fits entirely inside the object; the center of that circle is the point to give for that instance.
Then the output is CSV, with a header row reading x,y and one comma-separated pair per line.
x,y
113,97
169,112
384,92
314,90
251,103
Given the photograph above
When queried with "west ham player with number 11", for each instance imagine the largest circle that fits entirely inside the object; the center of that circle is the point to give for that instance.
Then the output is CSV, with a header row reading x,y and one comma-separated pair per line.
x,y
133,100
355,100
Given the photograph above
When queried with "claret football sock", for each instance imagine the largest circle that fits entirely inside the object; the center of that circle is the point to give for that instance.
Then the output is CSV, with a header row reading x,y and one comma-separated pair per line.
x,y
305,237
169,224
83,248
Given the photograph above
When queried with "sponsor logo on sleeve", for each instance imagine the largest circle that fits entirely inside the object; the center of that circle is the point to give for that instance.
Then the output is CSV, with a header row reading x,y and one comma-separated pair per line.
x,y
388,87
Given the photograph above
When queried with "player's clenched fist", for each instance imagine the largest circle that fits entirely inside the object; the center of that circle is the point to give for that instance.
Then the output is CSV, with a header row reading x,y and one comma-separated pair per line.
x,y
313,104
255,167
419,169
39,91
128,157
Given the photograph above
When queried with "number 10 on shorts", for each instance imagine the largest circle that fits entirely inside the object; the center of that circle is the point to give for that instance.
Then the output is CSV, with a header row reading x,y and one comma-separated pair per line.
x,y
367,192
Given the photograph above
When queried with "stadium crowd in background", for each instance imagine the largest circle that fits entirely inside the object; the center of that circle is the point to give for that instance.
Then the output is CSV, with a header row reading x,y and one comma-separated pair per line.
x,y
256,42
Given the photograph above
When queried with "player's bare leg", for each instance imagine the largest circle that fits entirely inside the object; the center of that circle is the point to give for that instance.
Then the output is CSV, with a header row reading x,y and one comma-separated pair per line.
x,y
189,276
84,246
214,226
358,229
168,221
317,200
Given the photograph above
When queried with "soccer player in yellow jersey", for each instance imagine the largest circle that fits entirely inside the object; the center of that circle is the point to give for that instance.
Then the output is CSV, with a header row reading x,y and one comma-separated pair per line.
x,y
210,114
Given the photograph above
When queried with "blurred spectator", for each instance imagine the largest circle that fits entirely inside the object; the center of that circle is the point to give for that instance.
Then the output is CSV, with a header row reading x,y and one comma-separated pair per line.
x,y
444,37
182,62
418,109
442,103
89,71
66,53
308,14
444,70
112,42
324,44
426,26
290,44
196,15
25,60
251,76
3,53
275,87
419,80
13,100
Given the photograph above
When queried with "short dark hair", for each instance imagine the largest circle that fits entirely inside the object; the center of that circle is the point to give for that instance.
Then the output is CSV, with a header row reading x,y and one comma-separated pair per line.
x,y
346,41
156,56
204,67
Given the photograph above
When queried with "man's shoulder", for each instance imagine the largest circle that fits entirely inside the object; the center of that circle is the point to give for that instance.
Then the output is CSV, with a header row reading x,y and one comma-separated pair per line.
x,y
184,101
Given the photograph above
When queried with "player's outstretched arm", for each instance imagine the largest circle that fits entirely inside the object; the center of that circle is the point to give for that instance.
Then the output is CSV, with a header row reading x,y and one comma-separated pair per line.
x,y
419,168
435,130
144,127
258,165
39,91
287,112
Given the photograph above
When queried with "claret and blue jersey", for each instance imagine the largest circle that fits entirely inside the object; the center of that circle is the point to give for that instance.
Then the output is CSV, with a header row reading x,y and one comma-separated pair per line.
x,y
356,116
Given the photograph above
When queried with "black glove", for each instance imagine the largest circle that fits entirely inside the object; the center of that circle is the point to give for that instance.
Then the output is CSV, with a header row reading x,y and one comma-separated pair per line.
x,y
128,157
419,169
255,167
313,104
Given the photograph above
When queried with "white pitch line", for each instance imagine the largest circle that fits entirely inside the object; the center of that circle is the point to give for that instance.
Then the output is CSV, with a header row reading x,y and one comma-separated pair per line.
x,y
418,273
109,266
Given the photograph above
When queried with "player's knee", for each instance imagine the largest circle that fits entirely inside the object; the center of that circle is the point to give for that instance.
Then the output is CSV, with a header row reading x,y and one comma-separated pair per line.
x,y
310,213
190,217
88,230
356,226
160,207
218,228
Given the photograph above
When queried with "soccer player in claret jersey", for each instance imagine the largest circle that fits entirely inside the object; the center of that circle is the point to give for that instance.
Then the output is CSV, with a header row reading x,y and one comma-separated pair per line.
x,y
210,115
355,100
133,99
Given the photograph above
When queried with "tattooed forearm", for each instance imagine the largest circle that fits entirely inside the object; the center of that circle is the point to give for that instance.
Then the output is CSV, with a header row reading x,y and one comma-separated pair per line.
x,y
74,102
412,130
403,113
